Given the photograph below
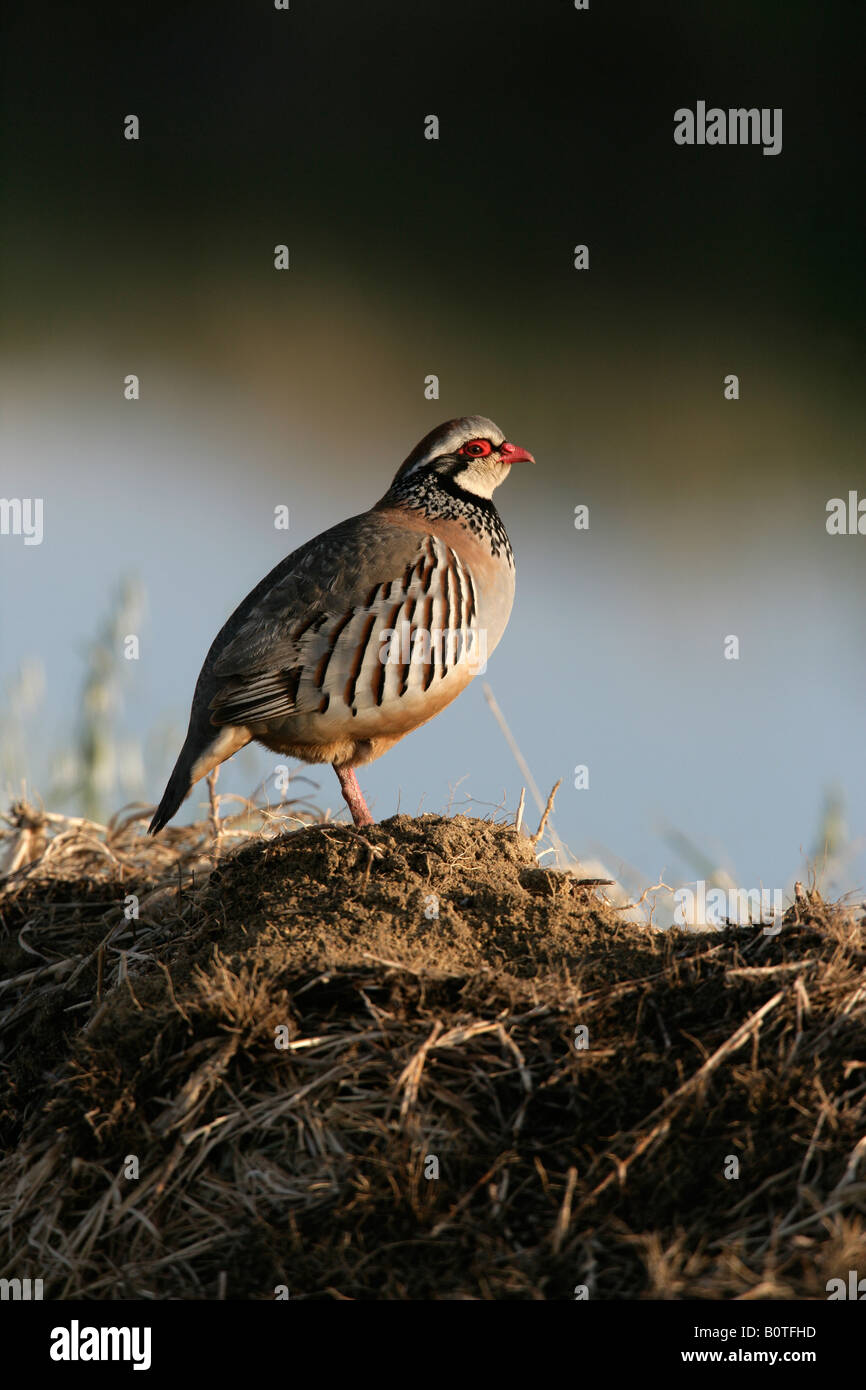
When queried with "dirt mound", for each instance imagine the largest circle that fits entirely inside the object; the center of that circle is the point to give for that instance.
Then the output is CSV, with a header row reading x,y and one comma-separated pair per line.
x,y
411,1063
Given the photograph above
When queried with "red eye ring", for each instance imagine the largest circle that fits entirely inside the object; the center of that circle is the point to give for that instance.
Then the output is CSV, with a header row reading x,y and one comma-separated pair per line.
x,y
477,448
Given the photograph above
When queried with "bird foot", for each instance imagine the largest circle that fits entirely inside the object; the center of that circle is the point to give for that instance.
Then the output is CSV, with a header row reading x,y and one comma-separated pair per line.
x,y
353,796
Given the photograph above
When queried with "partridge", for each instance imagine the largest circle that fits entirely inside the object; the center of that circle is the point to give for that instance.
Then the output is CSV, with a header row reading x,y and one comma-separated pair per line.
x,y
370,629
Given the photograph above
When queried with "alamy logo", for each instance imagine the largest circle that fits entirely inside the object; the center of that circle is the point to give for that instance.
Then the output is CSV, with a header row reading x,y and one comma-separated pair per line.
x,y
448,647
736,126
699,907
20,1288
847,520
22,516
76,1343
855,1288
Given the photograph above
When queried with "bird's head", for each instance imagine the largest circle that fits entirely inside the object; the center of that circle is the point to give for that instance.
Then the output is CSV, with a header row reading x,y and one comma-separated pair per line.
x,y
471,455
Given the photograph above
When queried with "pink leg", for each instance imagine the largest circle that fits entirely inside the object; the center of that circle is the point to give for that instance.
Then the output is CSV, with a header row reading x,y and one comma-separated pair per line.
x,y
353,796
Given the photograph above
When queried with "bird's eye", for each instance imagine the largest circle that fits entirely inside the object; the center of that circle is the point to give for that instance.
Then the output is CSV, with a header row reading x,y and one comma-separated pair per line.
x,y
478,448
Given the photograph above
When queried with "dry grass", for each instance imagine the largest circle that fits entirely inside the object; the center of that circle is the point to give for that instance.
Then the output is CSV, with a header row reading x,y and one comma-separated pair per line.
x,y
410,1037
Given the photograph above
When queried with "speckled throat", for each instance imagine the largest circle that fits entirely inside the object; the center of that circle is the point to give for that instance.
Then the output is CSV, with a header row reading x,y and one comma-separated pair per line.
x,y
440,499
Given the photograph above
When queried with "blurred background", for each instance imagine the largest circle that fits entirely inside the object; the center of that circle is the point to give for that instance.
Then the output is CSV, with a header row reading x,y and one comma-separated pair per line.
x,y
412,257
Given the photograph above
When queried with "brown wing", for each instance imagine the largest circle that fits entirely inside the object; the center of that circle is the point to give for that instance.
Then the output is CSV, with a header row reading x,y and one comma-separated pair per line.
x,y
304,644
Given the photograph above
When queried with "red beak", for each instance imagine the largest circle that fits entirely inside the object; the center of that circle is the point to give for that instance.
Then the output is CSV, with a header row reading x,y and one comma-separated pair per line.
x,y
512,453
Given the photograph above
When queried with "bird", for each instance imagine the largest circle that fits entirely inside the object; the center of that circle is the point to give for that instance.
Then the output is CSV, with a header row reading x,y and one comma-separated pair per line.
x,y
368,630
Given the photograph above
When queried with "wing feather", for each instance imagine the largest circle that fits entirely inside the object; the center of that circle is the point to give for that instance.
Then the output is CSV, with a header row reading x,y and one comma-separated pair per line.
x,y
301,646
